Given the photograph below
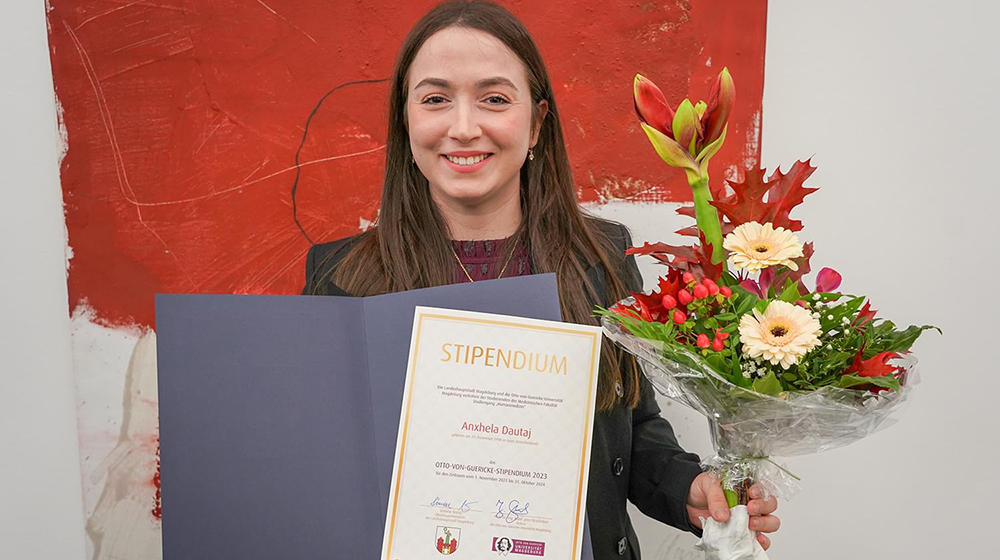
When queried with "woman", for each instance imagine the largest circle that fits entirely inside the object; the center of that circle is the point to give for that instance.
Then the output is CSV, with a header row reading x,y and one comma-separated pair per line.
x,y
478,186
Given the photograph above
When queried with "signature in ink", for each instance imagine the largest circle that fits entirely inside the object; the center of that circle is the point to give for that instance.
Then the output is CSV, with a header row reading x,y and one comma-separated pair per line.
x,y
464,508
511,510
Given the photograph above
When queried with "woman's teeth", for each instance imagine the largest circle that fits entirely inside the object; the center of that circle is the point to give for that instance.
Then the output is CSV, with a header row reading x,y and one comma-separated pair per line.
x,y
468,160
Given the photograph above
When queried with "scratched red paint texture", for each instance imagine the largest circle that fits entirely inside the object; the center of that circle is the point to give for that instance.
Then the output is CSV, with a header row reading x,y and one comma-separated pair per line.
x,y
184,117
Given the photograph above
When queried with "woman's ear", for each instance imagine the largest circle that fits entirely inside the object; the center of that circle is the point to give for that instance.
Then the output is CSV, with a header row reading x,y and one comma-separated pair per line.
x,y
542,111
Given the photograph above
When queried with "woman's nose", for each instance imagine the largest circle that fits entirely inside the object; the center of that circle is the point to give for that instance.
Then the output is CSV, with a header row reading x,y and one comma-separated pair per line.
x,y
465,125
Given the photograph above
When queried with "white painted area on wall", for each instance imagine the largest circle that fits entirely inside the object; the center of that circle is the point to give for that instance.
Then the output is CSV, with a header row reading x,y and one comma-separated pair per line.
x,y
895,99
41,513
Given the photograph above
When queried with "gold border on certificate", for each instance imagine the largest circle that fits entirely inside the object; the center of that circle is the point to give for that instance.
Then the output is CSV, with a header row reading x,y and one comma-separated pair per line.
x,y
418,325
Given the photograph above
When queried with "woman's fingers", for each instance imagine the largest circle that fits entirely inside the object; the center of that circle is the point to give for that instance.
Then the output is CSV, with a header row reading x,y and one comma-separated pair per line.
x,y
765,523
762,507
765,542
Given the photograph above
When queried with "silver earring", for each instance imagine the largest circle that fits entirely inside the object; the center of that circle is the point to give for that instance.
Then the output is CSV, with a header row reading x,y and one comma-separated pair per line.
x,y
531,155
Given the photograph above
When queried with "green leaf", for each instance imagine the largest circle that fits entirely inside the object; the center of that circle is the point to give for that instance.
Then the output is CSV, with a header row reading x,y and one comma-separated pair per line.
x,y
717,362
791,292
725,316
898,341
768,385
761,305
745,304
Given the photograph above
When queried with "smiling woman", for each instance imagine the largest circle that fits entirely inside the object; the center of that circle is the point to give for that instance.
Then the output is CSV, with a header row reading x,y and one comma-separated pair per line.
x,y
476,164
471,122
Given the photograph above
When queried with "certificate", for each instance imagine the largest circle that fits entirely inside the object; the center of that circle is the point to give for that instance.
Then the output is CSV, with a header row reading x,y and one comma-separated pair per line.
x,y
493,448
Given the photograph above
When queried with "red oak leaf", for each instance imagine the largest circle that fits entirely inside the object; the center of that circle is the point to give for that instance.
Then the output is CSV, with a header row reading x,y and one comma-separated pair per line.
x,y
650,307
670,284
875,366
865,315
696,259
788,274
784,192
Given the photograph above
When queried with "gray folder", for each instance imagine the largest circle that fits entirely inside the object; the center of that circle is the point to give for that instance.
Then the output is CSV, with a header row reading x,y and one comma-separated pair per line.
x,y
278,415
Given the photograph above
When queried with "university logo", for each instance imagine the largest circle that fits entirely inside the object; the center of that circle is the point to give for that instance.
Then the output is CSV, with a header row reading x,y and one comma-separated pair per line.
x,y
505,546
447,539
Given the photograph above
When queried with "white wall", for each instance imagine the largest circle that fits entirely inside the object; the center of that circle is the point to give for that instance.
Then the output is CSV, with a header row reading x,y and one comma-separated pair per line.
x,y
40,497
896,99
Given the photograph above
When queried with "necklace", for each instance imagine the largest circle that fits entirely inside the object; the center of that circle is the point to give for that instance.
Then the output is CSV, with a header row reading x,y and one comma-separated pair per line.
x,y
502,270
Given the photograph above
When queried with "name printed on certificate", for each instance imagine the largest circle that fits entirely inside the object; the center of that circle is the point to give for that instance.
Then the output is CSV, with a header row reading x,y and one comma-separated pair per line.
x,y
493,452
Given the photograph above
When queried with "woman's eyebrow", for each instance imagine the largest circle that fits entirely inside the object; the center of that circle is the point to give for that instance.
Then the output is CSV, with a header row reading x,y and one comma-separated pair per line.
x,y
485,82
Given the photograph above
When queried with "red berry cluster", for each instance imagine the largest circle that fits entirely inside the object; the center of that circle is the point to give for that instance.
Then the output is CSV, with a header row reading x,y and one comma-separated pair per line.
x,y
717,343
698,291
680,297
698,296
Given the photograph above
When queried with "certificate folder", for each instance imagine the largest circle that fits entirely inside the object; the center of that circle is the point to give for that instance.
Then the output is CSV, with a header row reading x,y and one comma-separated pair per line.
x,y
278,415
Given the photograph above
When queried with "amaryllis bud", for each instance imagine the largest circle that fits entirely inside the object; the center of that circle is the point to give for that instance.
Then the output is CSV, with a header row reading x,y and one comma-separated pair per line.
x,y
725,291
700,291
652,106
687,127
703,341
684,297
720,105
679,316
669,302
687,277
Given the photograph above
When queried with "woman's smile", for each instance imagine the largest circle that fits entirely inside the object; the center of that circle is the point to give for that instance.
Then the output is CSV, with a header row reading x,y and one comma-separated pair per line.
x,y
467,164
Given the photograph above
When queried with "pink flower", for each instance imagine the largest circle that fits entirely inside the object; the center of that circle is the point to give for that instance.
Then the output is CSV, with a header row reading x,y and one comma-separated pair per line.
x,y
827,280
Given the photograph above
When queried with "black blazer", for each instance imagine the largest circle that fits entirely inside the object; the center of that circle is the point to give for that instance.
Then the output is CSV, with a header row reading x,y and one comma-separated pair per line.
x,y
635,455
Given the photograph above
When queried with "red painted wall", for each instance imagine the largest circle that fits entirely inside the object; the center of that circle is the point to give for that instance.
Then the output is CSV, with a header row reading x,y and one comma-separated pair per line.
x,y
184,118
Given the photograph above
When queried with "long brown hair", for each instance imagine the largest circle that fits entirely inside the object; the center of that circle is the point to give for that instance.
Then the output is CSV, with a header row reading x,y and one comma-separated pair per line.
x,y
409,246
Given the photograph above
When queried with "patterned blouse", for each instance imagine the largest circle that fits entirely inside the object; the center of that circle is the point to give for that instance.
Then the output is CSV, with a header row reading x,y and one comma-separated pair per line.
x,y
484,259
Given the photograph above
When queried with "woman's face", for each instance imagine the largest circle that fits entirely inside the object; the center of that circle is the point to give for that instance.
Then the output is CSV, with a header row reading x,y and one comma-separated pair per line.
x,y
469,118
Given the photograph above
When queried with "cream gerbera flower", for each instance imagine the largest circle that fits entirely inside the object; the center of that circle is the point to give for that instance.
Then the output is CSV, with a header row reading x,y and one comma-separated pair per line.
x,y
755,247
781,335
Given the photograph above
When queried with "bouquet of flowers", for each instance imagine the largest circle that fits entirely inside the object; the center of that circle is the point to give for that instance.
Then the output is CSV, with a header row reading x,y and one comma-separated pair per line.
x,y
732,331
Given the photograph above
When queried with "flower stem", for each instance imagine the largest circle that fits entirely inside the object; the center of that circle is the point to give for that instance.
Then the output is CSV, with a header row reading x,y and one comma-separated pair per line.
x,y
708,218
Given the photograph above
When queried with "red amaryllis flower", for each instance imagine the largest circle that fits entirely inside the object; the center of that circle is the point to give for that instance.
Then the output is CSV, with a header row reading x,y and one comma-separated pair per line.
x,y
691,135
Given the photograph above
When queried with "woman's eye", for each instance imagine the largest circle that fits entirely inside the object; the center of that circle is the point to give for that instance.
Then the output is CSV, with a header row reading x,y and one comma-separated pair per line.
x,y
500,100
428,100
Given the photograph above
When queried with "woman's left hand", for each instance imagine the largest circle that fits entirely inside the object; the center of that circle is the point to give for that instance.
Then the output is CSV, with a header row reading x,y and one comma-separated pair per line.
x,y
706,499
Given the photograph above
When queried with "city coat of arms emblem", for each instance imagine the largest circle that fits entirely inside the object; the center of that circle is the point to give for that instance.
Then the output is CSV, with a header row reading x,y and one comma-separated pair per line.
x,y
447,539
